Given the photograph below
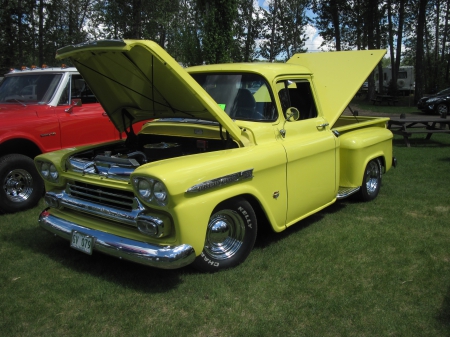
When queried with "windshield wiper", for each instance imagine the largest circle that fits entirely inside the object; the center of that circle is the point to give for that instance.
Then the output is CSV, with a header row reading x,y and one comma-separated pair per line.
x,y
15,100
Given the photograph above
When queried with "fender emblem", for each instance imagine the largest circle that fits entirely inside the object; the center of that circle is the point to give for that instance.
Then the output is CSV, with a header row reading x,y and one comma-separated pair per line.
x,y
48,134
221,181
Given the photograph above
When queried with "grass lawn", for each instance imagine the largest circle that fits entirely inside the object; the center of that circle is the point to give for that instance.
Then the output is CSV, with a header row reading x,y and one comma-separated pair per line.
x,y
404,105
355,269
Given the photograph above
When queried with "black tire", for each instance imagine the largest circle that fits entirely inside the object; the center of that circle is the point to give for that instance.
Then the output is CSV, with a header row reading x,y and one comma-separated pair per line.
x,y
230,236
442,109
371,181
21,185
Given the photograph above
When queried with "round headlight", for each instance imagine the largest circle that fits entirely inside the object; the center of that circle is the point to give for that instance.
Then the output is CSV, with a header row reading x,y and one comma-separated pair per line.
x,y
53,172
45,170
160,192
144,188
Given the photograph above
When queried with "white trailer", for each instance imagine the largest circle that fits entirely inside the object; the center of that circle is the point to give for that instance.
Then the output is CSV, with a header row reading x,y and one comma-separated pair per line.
x,y
405,79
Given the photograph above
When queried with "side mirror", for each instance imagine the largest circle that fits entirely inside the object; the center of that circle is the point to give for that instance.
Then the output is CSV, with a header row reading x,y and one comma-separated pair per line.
x,y
292,114
76,102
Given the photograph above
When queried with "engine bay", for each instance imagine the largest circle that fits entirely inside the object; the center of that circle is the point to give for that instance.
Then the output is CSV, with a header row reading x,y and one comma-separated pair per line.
x,y
120,160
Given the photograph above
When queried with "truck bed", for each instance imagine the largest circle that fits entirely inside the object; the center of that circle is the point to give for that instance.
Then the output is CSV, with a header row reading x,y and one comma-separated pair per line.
x,y
347,123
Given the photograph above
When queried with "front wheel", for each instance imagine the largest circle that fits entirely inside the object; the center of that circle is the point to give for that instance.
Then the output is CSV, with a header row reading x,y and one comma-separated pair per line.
x,y
21,185
442,109
230,236
371,181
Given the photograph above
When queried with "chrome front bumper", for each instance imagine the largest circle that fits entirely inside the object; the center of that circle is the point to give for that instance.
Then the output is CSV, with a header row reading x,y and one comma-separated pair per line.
x,y
165,257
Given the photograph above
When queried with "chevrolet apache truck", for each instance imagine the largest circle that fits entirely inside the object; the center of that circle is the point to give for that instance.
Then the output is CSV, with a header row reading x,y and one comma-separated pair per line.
x,y
41,110
231,147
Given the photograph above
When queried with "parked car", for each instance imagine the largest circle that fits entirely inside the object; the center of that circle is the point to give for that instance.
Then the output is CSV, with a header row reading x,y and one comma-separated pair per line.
x,y
42,110
438,103
219,162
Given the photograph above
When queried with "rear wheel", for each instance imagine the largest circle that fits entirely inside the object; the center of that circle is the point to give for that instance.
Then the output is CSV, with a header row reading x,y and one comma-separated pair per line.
x,y
230,236
371,181
21,185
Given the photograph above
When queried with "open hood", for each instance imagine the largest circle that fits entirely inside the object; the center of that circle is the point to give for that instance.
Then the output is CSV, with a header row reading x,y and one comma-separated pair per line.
x,y
136,80
338,76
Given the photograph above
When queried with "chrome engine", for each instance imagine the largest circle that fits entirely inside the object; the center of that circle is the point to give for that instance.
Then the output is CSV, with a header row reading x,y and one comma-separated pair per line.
x,y
120,160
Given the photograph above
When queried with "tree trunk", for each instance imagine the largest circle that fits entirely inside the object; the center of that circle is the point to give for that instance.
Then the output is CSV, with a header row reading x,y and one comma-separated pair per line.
x,y
401,20
248,39
20,31
372,7
444,40
137,9
419,50
272,39
393,84
41,33
334,7
436,65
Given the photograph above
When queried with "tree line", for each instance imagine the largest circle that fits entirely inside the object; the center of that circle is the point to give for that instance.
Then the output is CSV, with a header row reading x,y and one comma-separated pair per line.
x,y
415,32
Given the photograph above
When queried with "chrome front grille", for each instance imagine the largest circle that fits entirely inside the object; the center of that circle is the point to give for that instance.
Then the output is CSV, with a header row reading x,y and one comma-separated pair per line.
x,y
102,195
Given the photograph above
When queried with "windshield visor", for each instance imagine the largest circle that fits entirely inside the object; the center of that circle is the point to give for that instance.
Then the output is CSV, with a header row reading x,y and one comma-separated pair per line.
x,y
241,96
34,89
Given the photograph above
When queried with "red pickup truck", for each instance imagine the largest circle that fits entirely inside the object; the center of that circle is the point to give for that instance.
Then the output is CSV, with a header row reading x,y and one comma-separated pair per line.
x,y
42,110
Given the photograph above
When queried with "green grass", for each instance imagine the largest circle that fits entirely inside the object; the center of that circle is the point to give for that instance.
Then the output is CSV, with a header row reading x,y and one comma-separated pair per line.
x,y
405,105
355,269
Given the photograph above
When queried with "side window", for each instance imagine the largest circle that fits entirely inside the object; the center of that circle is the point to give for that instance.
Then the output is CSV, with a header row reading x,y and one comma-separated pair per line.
x,y
80,90
402,74
297,94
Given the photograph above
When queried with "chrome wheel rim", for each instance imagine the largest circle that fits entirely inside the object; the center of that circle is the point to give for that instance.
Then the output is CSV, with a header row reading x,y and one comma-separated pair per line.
x,y
442,109
372,177
18,185
224,235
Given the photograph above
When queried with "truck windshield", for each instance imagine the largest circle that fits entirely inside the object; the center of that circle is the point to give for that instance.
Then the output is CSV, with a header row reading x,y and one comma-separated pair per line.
x,y
241,95
29,88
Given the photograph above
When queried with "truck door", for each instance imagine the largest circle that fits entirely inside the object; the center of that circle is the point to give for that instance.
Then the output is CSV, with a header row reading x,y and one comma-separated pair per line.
x,y
310,151
85,124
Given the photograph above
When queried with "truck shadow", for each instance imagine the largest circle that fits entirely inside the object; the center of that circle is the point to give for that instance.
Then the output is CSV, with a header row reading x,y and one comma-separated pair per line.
x,y
43,245
267,237
36,241
443,315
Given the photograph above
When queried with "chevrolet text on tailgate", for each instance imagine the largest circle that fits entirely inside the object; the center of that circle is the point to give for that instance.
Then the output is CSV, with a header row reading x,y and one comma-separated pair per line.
x,y
42,110
232,146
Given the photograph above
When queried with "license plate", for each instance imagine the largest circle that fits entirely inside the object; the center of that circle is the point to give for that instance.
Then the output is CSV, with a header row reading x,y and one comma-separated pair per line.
x,y
82,242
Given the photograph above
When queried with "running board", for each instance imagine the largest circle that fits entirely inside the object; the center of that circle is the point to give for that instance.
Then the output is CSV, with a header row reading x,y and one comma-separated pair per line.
x,y
345,192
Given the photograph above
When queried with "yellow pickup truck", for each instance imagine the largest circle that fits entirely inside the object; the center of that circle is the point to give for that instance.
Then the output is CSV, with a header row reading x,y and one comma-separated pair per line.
x,y
229,147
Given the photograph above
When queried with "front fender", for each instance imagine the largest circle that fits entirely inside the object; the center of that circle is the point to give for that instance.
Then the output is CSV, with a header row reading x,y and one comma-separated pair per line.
x,y
191,210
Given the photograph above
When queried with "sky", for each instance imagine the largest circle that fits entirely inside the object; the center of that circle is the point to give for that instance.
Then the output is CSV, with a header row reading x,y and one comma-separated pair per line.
x,y
314,40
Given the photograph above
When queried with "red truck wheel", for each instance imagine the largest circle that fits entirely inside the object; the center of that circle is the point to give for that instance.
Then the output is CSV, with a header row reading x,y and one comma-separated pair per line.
x,y
21,185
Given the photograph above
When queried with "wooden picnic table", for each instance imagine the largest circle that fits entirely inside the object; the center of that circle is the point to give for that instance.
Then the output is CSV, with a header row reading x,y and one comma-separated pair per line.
x,y
388,99
427,125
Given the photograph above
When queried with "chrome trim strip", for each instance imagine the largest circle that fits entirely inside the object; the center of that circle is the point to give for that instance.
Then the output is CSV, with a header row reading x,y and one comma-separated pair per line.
x,y
165,257
221,181
345,192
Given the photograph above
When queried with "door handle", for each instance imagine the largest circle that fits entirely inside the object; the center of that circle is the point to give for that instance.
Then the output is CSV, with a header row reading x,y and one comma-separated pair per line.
x,y
322,125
